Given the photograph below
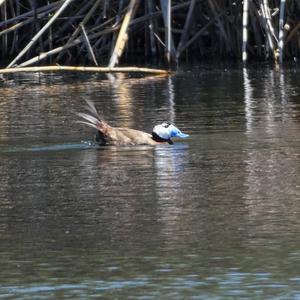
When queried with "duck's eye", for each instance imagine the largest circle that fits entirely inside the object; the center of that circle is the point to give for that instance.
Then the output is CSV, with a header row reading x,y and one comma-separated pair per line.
x,y
166,125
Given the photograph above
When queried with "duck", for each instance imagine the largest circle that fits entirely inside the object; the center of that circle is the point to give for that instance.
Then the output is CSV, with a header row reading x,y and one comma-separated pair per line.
x,y
123,136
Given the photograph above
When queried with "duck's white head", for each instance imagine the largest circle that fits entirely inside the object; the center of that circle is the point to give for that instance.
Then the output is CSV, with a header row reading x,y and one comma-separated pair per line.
x,y
166,131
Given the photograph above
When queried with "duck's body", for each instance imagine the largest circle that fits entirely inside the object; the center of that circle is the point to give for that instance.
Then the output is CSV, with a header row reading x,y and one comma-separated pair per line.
x,y
122,136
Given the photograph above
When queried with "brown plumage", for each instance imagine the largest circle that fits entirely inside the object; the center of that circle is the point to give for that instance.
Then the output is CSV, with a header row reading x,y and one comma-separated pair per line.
x,y
118,136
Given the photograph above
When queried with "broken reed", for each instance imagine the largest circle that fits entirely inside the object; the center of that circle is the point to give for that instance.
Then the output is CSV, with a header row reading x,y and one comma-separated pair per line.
x,y
98,32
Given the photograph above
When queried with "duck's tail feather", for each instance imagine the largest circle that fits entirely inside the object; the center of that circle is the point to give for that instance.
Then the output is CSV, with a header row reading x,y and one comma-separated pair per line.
x,y
92,118
88,124
92,109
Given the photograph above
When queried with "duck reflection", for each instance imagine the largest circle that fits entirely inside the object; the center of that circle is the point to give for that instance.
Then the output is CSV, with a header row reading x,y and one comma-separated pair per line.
x,y
142,189
170,165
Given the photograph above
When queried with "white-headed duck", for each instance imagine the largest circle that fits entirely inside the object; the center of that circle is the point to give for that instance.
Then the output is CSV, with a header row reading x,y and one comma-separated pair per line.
x,y
122,136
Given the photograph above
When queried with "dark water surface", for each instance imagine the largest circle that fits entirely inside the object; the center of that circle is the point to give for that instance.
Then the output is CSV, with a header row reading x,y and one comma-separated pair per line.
x,y
216,216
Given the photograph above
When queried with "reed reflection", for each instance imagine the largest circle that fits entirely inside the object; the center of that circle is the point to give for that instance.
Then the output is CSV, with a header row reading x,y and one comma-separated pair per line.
x,y
249,105
123,98
271,168
171,97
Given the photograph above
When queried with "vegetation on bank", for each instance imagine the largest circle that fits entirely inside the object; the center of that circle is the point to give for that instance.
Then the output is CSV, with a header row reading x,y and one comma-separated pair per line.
x,y
104,32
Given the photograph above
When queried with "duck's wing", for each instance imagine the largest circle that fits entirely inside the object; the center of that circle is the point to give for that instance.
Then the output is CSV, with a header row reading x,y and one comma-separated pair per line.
x,y
136,137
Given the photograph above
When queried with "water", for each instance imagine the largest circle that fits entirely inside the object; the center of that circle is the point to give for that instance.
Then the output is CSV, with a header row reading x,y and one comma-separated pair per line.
x,y
215,216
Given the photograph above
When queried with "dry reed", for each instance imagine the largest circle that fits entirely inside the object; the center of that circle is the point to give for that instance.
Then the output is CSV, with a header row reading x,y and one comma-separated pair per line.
x,y
100,32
